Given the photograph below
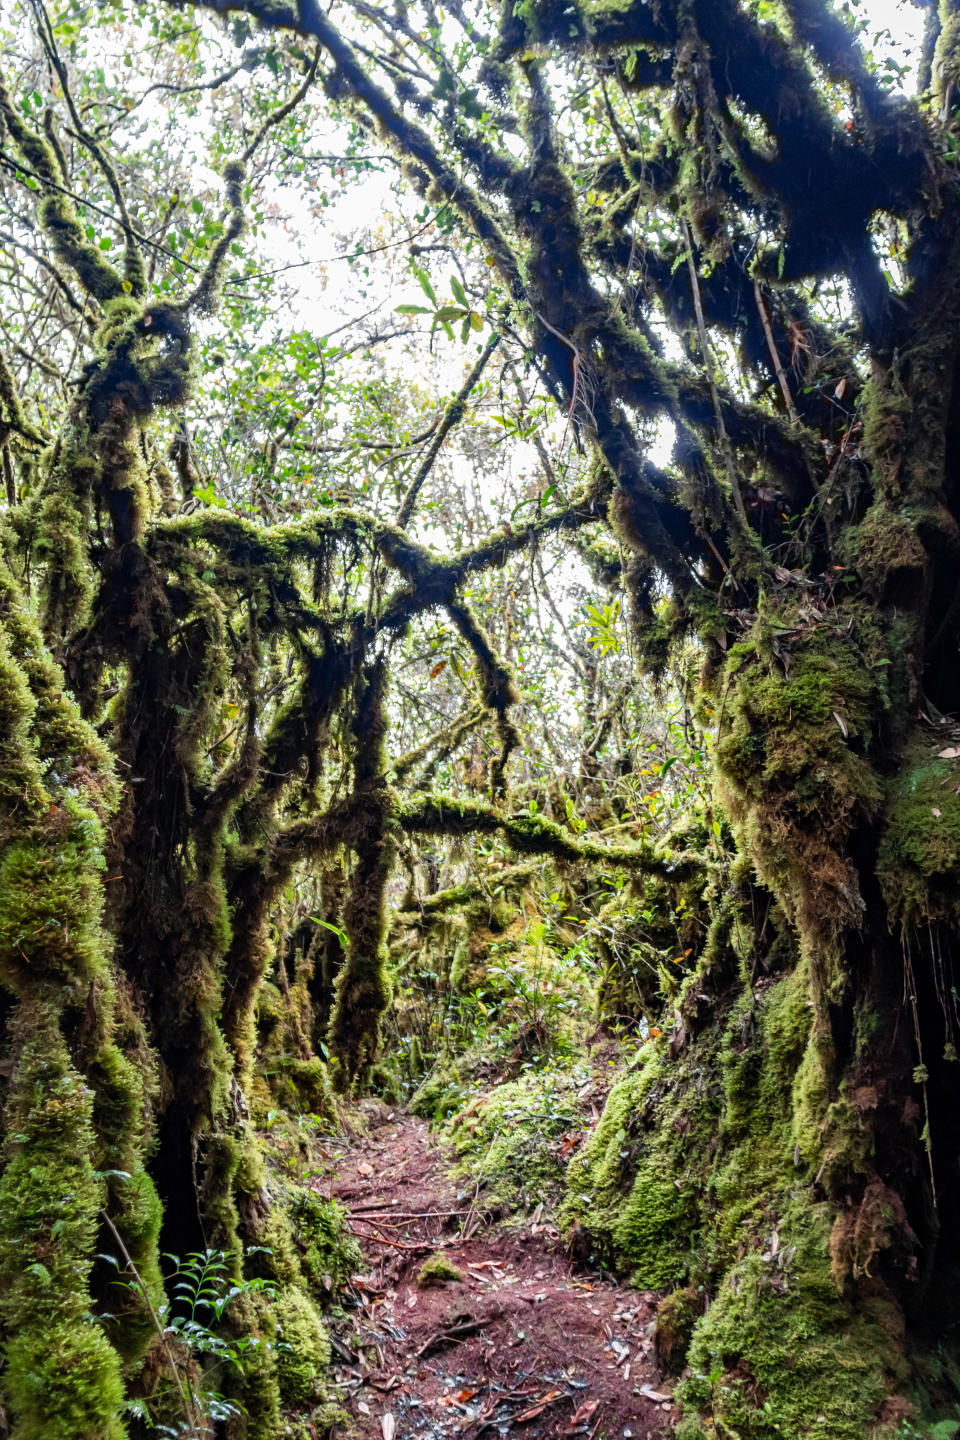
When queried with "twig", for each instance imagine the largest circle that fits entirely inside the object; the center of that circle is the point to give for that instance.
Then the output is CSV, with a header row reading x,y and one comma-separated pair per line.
x,y
774,356
382,1240
452,415
188,1407
366,1210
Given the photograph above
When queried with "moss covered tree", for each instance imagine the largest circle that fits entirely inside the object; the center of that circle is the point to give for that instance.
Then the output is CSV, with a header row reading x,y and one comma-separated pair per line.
x,y
194,722
714,217
726,215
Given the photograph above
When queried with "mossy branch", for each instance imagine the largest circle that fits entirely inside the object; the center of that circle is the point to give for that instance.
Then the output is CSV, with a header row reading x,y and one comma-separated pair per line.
x,y
445,741
529,834
433,907
134,271
57,214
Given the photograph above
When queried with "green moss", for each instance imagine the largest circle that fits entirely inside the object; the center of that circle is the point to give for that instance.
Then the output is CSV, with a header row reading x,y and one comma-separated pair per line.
x,y
329,1254
303,1350
634,1197
796,773
920,846
438,1270
69,1386
780,1353
510,1139
676,1315
441,1093
61,1370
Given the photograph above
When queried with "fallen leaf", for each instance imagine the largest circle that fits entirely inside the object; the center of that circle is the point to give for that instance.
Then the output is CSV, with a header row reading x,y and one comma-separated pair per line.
x,y
364,1169
388,1425
842,723
652,1394
951,753
579,1417
539,1408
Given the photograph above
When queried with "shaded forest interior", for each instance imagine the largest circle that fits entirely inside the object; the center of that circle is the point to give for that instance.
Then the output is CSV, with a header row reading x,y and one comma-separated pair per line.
x,y
498,656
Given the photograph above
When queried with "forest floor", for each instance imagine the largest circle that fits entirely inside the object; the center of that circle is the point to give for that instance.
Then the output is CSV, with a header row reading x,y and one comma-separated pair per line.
x,y
523,1345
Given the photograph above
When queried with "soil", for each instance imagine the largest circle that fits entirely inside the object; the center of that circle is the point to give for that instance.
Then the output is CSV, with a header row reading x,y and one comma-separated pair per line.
x,y
525,1345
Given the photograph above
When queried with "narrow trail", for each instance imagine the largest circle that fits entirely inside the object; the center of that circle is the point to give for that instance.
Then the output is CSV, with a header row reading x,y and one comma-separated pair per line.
x,y
522,1346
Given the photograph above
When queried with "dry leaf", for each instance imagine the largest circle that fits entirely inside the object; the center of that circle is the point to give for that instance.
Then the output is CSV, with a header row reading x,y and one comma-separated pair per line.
x,y
586,1412
388,1425
440,665
951,753
842,723
652,1394
539,1408
364,1169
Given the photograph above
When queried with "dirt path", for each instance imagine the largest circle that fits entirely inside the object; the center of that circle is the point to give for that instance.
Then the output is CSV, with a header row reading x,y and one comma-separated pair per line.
x,y
522,1346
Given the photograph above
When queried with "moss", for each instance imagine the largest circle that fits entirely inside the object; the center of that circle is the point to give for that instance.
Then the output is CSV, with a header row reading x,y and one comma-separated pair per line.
x,y
303,1350
632,1193
60,1366
920,845
796,771
363,990
779,1352
69,1386
441,1093
676,1315
510,1139
302,1086
329,1254
438,1270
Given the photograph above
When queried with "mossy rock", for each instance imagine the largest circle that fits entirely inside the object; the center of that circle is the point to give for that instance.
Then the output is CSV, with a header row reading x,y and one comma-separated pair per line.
x,y
781,1353
438,1270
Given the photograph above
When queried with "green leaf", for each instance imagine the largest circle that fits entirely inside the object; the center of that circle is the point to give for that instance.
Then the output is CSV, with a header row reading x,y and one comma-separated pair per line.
x,y
341,935
425,285
459,294
412,310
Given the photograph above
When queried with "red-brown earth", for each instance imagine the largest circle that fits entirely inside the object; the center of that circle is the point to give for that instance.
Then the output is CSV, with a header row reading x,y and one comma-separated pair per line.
x,y
526,1345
